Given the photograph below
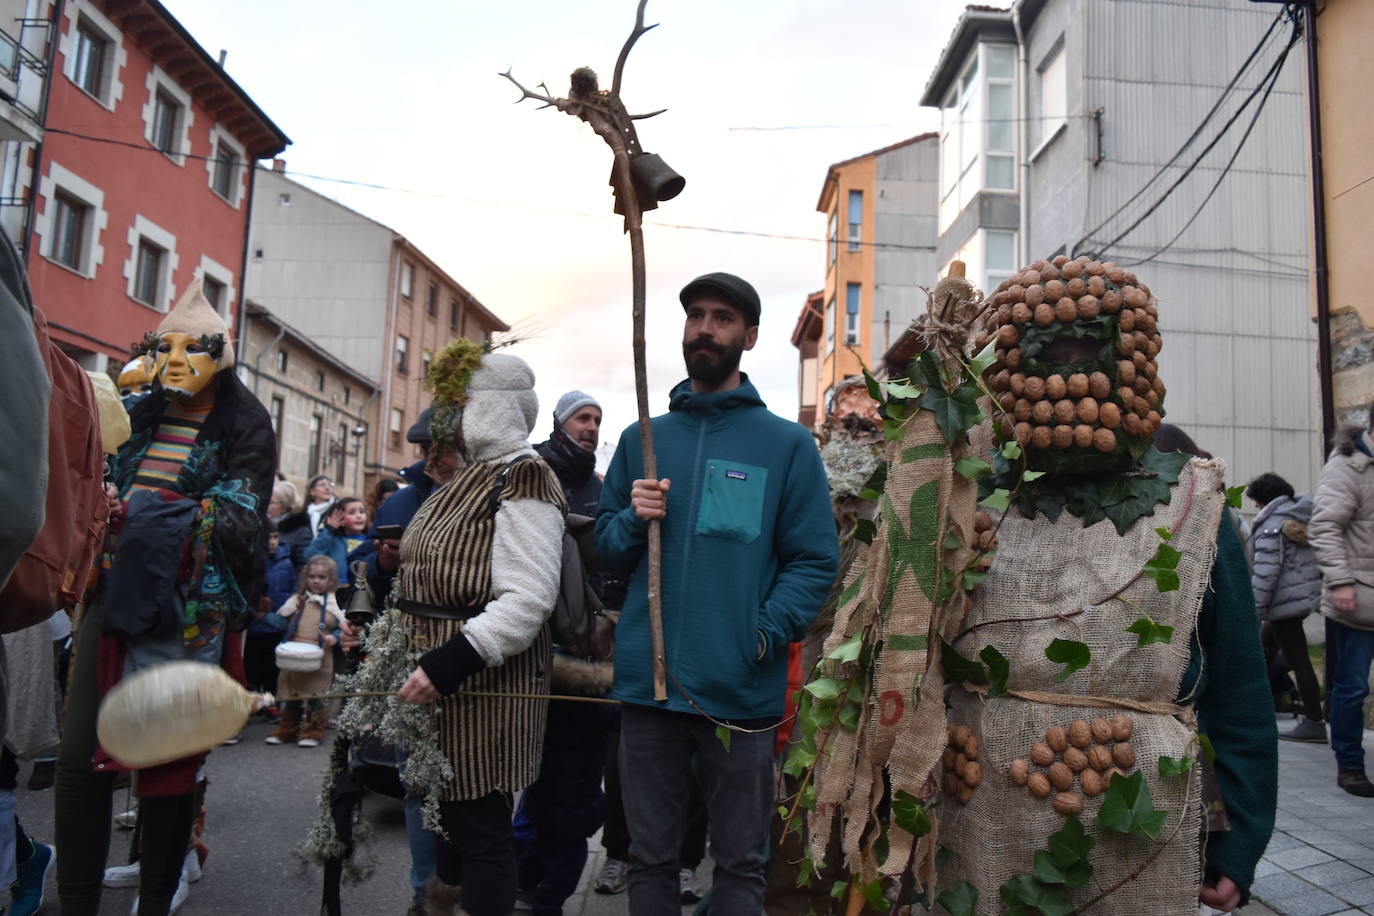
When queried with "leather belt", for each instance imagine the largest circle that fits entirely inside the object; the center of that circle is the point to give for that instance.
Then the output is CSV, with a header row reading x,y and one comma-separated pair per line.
x,y
437,611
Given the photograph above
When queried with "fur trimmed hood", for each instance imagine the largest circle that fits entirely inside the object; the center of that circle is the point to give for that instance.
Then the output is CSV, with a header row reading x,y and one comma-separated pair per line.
x,y
1345,440
580,677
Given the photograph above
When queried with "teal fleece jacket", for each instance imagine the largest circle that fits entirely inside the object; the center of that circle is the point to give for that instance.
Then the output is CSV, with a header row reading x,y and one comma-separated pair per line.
x,y
749,552
1235,709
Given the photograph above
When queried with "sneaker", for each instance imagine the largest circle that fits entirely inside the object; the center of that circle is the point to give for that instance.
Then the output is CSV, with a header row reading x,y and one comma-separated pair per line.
x,y
613,878
27,890
183,891
44,771
691,890
1355,782
230,742
524,901
190,869
127,819
308,742
275,739
1306,730
122,876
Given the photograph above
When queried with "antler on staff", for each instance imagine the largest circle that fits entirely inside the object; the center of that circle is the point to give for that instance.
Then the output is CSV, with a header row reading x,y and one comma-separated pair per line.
x,y
549,101
639,29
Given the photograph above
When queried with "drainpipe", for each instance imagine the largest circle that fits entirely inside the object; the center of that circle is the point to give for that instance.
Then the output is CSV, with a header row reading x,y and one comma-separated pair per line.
x,y
1314,127
36,174
1023,104
257,360
241,310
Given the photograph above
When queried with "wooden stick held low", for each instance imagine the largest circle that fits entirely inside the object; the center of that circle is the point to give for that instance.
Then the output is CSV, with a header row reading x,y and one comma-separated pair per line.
x,y
467,693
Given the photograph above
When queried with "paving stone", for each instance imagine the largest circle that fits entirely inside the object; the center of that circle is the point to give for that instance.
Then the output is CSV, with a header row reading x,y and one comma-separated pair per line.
x,y
1266,867
1293,859
1359,893
1331,874
1281,841
1275,887
1315,902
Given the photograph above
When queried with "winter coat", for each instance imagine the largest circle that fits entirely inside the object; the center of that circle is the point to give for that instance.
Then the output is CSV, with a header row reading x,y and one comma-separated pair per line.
x,y
1342,527
281,585
1284,572
296,534
398,510
333,543
749,552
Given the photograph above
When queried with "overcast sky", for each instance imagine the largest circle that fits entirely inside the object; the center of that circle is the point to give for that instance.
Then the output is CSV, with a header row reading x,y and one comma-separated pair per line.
x,y
513,201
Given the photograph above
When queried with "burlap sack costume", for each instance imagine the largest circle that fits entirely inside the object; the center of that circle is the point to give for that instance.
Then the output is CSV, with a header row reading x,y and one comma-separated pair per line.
x,y
1092,577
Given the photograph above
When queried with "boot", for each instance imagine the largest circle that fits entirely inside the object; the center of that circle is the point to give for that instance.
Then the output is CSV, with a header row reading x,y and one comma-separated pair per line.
x,y
1355,782
313,730
288,726
441,899
1310,730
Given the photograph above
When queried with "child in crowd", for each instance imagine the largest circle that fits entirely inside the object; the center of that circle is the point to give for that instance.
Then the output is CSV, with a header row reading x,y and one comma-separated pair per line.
x,y
266,628
344,531
305,655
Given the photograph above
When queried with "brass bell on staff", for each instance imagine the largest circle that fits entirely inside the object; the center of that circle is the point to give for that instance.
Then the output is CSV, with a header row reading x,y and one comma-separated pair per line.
x,y
654,181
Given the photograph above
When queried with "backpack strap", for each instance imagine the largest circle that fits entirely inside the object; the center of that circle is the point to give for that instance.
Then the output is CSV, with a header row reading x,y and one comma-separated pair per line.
x,y
494,499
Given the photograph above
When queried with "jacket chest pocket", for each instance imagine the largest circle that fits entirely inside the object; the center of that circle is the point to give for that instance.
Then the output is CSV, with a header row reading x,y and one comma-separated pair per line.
x,y
732,500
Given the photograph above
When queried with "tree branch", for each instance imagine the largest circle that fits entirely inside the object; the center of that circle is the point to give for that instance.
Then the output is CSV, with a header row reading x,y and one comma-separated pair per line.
x,y
640,29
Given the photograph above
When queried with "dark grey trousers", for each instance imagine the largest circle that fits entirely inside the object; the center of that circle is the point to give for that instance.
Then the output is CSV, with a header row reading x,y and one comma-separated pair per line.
x,y
658,750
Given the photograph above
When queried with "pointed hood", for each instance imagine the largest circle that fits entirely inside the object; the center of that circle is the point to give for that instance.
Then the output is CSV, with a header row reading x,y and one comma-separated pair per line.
x,y
195,315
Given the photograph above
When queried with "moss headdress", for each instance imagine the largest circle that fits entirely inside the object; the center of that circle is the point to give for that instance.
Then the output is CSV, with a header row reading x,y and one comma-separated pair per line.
x,y
449,374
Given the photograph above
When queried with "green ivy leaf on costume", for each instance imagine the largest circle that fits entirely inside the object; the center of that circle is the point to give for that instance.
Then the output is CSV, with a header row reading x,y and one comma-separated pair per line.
x,y
903,391
985,358
723,736
1175,766
1164,534
1071,654
998,500
1233,497
956,412
909,814
864,530
1209,753
1025,896
960,900
1163,568
805,872
1011,450
999,669
972,467
892,430
824,688
807,801
875,388
1150,632
959,669
800,757
1068,851
849,716
850,649
873,895
837,890
1128,808
876,484
1029,476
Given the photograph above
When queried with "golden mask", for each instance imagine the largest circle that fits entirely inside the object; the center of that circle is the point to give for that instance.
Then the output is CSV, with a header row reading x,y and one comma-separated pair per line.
x,y
184,365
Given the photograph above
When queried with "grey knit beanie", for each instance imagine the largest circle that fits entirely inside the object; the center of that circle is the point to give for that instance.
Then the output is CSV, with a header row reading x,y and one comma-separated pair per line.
x,y
571,403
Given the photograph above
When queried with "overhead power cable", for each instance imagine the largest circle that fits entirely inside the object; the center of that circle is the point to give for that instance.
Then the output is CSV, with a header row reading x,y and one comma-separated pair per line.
x,y
1197,131
721,230
1266,84
1259,109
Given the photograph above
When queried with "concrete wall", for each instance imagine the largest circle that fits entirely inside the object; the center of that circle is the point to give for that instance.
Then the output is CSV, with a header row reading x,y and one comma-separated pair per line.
x,y
1239,355
906,205
323,268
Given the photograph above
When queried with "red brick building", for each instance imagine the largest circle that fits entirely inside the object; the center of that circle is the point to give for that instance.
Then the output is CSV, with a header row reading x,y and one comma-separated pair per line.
x,y
144,179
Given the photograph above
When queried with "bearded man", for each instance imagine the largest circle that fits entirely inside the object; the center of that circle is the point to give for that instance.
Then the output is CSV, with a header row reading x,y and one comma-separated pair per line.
x,y
180,571
749,555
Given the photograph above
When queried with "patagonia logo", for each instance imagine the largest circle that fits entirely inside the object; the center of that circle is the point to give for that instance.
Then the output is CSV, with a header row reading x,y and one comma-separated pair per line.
x,y
736,475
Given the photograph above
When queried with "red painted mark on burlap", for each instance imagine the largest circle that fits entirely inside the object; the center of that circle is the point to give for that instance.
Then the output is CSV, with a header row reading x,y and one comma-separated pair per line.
x,y
891,706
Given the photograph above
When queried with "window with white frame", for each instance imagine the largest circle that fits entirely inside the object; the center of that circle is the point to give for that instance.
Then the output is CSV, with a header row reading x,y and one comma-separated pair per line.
x,y
93,52
977,130
73,217
217,282
830,326
402,349
851,314
283,358
71,222
398,422
856,219
215,293
407,279
1052,96
999,256
226,175
832,235
152,264
167,116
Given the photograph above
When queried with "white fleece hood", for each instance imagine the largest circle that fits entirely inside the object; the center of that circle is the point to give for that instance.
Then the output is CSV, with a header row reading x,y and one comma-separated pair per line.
x,y
501,408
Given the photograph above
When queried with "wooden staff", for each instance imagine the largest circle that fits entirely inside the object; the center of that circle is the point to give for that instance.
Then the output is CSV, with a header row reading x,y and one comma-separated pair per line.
x,y
606,115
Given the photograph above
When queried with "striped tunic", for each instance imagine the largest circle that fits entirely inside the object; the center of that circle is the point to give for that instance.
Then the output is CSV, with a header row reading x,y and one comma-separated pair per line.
x,y
170,448
494,744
